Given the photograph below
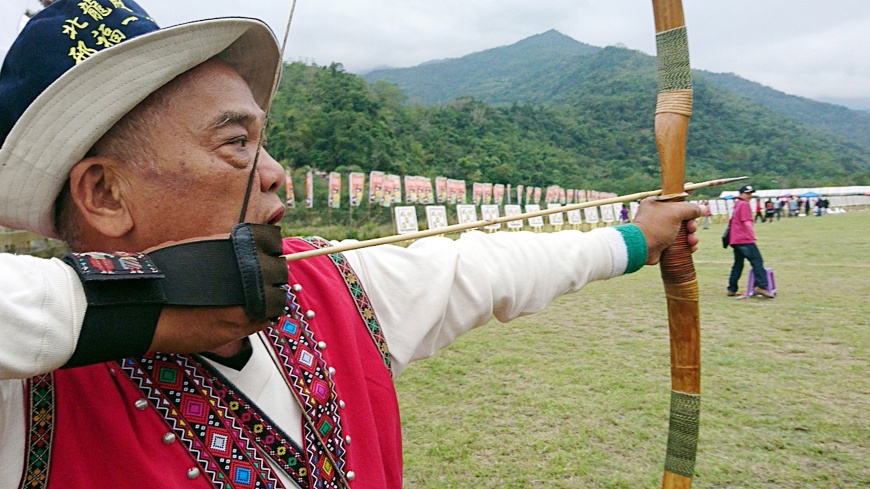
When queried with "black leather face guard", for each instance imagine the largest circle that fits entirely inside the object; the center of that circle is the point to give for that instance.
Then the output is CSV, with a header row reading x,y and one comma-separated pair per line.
x,y
126,291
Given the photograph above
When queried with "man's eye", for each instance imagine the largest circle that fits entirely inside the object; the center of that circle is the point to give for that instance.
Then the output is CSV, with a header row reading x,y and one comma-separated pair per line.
x,y
241,142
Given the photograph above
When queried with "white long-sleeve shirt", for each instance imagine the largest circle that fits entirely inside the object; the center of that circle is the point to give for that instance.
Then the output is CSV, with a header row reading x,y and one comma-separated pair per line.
x,y
424,297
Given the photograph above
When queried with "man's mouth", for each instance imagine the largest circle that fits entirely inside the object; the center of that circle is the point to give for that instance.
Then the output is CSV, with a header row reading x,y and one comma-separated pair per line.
x,y
276,216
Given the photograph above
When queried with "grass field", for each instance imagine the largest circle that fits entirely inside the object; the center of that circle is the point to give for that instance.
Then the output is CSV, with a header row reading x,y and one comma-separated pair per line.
x,y
577,395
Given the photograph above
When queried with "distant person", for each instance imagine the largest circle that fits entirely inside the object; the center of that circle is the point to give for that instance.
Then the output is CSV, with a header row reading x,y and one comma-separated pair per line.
x,y
807,206
705,215
769,211
623,213
758,213
742,239
793,206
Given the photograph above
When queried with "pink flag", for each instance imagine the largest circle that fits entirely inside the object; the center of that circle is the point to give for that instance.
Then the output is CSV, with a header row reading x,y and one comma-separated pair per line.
x,y
376,187
441,189
334,197
356,183
288,190
498,194
309,189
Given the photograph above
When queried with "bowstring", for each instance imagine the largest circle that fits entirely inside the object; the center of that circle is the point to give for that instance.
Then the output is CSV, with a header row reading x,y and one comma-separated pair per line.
x,y
261,141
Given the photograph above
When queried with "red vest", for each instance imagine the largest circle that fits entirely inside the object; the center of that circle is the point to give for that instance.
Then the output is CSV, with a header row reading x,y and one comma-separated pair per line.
x,y
105,433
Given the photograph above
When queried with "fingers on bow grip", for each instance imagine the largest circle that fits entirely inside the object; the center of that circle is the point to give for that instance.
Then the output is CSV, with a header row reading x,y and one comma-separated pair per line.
x,y
263,269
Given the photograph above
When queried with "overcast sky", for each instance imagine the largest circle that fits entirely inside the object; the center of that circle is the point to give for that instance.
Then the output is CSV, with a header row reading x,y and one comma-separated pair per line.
x,y
810,48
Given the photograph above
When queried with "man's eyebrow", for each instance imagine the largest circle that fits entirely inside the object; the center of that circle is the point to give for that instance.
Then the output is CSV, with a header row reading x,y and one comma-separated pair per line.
x,y
230,118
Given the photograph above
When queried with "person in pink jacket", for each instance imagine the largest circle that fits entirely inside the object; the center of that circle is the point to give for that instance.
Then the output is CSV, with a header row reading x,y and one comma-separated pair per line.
x,y
742,240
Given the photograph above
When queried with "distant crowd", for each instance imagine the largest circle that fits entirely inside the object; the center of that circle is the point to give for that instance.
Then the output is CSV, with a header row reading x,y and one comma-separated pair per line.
x,y
787,207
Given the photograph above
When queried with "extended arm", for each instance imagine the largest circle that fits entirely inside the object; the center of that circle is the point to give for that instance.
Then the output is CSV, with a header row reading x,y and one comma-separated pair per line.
x,y
101,306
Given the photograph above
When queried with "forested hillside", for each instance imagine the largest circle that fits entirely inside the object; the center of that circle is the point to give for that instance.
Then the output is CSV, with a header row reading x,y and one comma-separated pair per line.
x,y
328,119
547,67
836,119
581,118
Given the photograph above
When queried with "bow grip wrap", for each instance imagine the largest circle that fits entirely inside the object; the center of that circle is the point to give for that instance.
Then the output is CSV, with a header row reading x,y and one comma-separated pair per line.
x,y
263,269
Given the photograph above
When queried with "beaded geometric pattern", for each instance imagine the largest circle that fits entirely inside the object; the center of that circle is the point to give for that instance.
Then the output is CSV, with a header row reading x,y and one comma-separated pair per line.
x,y
302,364
360,298
112,265
268,436
198,415
672,58
40,429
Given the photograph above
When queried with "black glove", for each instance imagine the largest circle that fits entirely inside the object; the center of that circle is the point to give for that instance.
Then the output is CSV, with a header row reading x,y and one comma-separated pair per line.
x,y
264,270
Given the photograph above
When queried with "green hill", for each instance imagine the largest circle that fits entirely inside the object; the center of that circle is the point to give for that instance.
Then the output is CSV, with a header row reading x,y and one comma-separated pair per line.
x,y
546,110
541,68
836,119
492,75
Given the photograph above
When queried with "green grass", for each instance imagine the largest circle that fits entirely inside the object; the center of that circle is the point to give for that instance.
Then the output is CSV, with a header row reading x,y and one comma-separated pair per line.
x,y
577,395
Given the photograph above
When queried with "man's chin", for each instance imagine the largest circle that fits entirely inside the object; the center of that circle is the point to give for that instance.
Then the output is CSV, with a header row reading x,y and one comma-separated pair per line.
x,y
228,350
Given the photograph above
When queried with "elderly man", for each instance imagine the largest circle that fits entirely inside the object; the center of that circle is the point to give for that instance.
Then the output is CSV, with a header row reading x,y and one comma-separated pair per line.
x,y
123,146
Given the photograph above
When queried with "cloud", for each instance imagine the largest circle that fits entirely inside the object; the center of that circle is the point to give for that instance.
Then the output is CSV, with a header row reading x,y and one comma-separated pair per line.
x,y
803,47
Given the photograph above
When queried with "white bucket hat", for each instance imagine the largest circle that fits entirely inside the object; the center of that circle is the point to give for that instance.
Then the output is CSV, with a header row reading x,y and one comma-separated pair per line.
x,y
79,67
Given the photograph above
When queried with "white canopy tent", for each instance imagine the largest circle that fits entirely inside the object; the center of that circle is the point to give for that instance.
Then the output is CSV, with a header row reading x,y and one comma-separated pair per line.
x,y
794,192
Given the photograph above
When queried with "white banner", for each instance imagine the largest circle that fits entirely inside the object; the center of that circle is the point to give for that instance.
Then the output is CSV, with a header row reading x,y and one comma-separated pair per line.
x,y
490,211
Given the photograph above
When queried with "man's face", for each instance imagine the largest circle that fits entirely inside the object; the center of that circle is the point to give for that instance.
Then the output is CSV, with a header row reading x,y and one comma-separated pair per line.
x,y
745,196
204,146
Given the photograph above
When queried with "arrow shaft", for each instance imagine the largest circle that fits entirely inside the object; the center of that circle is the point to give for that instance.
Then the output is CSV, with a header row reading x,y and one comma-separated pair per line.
x,y
486,222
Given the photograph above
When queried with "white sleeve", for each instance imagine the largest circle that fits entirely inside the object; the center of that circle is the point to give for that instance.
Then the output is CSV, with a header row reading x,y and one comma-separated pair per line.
x,y
428,294
42,307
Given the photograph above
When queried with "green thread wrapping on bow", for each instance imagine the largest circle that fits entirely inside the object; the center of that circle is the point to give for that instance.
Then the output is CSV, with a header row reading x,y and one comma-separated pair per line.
x,y
683,433
672,48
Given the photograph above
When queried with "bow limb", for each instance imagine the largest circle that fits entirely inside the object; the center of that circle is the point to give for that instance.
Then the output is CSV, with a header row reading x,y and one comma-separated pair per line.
x,y
673,109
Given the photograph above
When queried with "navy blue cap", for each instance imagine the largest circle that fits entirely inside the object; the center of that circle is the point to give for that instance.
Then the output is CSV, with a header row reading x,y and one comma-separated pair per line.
x,y
746,189
57,38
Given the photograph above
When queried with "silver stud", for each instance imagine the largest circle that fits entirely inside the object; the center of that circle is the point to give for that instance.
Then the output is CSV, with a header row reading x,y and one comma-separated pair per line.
x,y
168,438
331,370
350,475
112,372
347,439
296,288
141,404
309,314
321,345
193,473
341,404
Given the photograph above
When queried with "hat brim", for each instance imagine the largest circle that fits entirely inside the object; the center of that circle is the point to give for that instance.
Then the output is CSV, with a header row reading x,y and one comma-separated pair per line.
x,y
74,112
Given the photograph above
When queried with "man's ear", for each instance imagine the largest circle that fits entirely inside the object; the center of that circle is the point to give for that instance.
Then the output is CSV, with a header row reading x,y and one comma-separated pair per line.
x,y
100,192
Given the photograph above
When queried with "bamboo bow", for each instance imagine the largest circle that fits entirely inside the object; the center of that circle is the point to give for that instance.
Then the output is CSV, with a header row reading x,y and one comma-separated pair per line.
x,y
673,109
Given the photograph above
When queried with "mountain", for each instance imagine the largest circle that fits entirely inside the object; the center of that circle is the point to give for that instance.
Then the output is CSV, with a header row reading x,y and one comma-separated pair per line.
x,y
549,110
554,69
494,71
854,103
836,119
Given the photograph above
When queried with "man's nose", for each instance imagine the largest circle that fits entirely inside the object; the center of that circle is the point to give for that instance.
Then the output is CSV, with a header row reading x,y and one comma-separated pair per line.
x,y
271,172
